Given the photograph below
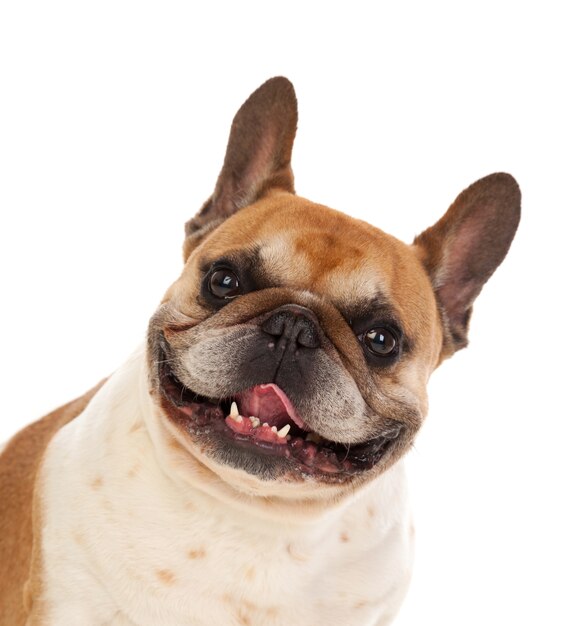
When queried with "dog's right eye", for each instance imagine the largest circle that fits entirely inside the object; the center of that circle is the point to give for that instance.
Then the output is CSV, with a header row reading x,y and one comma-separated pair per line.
x,y
224,284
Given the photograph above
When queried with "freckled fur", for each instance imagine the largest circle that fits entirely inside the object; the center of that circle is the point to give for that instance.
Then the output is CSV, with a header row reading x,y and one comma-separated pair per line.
x,y
21,512
293,537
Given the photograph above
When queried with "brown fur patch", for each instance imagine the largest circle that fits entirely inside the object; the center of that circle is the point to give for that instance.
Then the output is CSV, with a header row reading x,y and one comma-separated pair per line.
x,y
135,427
20,558
167,577
245,609
249,573
243,618
198,553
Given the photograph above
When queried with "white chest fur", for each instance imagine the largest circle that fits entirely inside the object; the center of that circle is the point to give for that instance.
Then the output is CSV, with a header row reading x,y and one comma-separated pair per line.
x,y
126,542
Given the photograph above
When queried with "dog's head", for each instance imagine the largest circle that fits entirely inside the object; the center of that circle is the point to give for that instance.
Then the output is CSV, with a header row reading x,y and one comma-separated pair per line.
x,y
295,348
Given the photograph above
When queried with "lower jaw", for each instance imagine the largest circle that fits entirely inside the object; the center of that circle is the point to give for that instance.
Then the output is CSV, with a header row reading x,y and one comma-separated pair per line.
x,y
296,460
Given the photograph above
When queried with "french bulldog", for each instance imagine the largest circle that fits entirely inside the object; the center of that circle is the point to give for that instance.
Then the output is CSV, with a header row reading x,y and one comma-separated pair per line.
x,y
245,466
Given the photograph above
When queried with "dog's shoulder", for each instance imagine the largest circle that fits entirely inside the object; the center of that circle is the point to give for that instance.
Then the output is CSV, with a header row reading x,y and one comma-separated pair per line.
x,y
19,463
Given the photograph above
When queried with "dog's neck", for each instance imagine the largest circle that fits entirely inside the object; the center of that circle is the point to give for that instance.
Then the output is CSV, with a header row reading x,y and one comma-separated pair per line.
x,y
158,531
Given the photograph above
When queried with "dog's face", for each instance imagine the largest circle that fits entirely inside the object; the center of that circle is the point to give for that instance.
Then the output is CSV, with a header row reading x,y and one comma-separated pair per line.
x,y
295,348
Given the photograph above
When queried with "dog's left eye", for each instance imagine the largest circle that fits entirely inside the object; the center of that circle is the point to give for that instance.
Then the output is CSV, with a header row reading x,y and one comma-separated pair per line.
x,y
224,283
380,341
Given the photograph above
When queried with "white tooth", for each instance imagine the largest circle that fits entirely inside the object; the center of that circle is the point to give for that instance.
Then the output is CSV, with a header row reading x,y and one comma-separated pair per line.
x,y
266,424
274,429
234,411
284,431
255,421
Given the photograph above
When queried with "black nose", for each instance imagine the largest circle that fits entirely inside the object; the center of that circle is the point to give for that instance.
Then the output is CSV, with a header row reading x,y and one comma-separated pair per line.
x,y
293,326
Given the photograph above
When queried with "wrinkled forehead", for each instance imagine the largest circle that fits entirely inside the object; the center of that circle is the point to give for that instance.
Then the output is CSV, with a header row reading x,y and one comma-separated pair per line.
x,y
287,241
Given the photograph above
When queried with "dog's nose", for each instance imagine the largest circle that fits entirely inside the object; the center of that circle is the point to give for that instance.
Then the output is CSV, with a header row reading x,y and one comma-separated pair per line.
x,y
293,326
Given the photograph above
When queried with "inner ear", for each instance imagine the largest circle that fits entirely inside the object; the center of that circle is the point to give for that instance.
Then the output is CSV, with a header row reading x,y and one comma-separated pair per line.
x,y
465,269
464,248
257,160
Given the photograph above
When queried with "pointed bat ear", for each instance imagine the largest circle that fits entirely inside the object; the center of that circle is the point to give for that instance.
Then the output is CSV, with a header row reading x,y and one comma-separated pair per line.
x,y
257,158
462,250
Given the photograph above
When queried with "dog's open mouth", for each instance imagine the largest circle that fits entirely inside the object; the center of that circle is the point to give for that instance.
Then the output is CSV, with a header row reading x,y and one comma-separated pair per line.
x,y
263,420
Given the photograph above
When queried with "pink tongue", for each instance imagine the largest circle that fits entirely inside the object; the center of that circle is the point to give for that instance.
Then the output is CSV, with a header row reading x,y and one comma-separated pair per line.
x,y
270,404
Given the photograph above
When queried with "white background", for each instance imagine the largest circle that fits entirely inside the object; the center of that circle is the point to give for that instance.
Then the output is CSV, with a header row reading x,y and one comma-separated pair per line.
x,y
113,122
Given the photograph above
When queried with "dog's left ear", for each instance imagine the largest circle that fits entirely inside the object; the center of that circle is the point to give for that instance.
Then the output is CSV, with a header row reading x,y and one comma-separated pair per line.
x,y
257,158
462,250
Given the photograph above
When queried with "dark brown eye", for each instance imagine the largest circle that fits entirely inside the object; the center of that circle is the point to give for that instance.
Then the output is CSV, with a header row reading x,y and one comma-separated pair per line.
x,y
380,341
223,283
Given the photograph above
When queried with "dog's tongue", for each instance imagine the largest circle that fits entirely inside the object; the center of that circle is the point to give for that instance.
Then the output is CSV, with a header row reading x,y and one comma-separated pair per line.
x,y
270,404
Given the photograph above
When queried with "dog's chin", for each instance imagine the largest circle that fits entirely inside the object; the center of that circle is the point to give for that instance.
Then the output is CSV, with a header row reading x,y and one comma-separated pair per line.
x,y
273,444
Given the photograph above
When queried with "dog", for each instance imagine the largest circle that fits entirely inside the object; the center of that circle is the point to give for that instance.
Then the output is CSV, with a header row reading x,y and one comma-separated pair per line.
x,y
245,466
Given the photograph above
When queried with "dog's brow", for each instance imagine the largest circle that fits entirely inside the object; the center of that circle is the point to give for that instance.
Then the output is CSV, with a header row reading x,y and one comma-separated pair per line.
x,y
244,259
377,306
377,309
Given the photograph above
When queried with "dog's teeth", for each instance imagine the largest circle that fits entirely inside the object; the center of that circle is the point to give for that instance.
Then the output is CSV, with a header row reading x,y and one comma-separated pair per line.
x,y
284,431
266,424
274,429
314,437
255,421
234,414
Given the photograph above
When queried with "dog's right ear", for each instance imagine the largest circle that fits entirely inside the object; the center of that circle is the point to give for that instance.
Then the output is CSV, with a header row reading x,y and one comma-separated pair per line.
x,y
257,158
